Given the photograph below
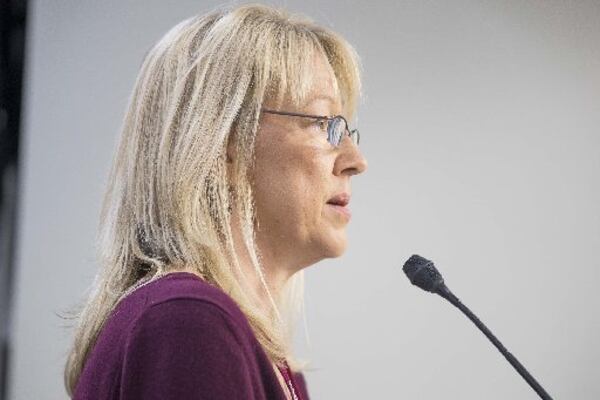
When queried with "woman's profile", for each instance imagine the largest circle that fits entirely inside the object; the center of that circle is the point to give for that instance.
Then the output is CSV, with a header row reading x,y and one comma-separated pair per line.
x,y
231,175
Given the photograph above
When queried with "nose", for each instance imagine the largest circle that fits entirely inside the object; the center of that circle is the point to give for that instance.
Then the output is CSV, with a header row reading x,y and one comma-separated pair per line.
x,y
350,160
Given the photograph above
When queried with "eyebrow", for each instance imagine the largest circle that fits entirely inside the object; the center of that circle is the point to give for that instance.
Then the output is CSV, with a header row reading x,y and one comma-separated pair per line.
x,y
319,97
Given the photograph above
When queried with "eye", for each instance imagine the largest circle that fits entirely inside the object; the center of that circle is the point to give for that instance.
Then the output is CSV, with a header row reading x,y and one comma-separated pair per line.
x,y
321,123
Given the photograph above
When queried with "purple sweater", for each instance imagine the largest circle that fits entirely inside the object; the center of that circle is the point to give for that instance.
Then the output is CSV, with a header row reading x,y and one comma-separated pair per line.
x,y
179,338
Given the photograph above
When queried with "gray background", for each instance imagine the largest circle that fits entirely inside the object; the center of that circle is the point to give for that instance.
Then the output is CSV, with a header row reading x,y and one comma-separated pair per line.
x,y
480,124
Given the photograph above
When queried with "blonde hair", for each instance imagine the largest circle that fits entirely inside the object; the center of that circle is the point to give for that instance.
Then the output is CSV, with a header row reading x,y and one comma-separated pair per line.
x,y
169,200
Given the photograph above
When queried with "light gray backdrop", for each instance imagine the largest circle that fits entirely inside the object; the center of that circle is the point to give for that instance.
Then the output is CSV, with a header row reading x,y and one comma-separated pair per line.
x,y
480,122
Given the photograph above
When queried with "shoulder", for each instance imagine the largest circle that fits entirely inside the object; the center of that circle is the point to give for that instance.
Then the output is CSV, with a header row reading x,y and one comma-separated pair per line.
x,y
184,294
186,301
181,347
181,317
172,338
186,328
187,285
185,313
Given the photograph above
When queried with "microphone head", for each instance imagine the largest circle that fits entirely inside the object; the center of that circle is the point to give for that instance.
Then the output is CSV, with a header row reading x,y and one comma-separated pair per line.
x,y
422,273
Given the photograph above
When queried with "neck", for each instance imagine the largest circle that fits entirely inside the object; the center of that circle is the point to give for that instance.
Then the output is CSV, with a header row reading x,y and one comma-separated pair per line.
x,y
277,269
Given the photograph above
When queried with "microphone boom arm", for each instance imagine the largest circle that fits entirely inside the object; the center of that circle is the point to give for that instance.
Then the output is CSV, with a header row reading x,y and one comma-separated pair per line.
x,y
448,295
422,273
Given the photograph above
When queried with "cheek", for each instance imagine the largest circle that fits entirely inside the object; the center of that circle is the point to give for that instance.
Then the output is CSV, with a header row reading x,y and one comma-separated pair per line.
x,y
290,187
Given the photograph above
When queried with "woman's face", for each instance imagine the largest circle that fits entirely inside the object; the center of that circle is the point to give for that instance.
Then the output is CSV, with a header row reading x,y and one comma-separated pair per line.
x,y
297,172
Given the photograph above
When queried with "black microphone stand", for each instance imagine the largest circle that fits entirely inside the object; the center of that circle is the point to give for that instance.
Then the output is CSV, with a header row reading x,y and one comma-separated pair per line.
x,y
448,295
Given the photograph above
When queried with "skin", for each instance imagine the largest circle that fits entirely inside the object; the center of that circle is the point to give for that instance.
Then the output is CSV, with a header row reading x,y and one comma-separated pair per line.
x,y
296,172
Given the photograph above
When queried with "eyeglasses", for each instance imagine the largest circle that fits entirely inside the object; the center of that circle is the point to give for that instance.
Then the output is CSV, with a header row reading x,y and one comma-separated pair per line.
x,y
335,126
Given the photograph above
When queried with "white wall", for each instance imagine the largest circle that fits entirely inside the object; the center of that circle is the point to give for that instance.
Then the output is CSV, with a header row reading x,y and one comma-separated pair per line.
x,y
480,123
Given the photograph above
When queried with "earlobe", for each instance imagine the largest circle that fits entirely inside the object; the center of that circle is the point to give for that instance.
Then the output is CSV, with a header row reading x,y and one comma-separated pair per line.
x,y
229,151
229,148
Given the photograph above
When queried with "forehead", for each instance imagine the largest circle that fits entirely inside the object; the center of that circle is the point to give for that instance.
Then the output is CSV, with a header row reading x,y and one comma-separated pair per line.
x,y
323,84
322,73
319,90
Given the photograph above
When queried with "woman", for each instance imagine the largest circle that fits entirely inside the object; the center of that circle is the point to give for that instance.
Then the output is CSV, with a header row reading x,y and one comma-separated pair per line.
x,y
219,195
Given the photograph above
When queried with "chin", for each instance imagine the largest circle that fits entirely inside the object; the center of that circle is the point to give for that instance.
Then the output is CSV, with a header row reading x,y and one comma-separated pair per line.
x,y
336,248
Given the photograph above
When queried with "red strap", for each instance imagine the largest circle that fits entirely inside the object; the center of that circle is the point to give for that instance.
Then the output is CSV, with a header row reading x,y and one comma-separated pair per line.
x,y
290,381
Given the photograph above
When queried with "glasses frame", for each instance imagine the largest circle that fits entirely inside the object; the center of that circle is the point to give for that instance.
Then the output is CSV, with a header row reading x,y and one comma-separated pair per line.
x,y
350,133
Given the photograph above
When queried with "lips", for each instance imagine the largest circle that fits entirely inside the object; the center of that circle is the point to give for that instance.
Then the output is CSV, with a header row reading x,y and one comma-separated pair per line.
x,y
341,199
339,203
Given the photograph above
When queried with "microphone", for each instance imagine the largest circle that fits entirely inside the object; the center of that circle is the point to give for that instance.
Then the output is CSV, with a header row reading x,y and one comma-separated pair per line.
x,y
422,273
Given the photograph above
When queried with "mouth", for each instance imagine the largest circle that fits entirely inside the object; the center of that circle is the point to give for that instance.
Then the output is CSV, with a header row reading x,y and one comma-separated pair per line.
x,y
341,199
339,204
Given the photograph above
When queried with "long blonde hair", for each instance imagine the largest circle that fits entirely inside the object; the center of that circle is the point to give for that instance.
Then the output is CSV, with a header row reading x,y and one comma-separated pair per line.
x,y
169,201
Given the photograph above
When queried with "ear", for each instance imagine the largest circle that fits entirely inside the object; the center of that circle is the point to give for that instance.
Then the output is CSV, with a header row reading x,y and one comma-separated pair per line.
x,y
230,151
229,157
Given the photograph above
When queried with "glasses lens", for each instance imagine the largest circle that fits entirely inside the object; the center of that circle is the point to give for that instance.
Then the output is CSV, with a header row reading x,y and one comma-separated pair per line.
x,y
337,127
355,136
